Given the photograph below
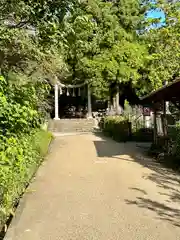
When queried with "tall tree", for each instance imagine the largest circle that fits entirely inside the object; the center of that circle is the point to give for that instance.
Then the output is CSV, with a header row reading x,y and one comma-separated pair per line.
x,y
102,45
29,37
163,45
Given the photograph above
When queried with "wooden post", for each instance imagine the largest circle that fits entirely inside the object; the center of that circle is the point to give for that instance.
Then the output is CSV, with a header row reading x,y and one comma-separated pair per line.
x,y
164,119
155,125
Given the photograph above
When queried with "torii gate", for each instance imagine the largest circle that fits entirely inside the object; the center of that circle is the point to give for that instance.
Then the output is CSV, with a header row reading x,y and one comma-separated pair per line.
x,y
58,90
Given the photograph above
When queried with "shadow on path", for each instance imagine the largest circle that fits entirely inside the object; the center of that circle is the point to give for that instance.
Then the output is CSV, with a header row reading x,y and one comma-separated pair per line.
x,y
166,180
163,211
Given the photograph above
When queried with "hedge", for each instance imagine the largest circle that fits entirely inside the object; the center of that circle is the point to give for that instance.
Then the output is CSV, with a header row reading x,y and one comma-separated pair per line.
x,y
143,135
118,128
19,159
167,149
174,135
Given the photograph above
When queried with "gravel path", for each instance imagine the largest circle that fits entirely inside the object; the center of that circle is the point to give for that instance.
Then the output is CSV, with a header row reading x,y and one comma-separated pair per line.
x,y
92,188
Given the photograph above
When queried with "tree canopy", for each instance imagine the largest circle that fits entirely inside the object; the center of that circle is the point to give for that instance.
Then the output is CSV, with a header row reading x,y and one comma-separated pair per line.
x,y
163,44
98,41
102,46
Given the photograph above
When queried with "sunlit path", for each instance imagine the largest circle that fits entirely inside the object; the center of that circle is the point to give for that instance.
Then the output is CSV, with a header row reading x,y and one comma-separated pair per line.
x,y
92,188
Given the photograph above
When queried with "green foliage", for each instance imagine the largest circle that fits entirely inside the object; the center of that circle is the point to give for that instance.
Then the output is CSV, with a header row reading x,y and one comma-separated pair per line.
x,y
143,135
27,58
19,158
174,135
162,63
102,46
120,129
21,106
30,44
25,13
167,149
102,42
116,127
22,143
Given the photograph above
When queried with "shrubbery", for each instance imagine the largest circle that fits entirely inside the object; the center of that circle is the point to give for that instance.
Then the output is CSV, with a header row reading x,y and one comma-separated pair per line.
x,y
118,128
143,135
19,159
23,143
167,148
174,135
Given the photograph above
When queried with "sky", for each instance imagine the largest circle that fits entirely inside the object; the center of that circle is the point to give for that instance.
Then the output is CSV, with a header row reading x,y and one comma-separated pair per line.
x,y
156,13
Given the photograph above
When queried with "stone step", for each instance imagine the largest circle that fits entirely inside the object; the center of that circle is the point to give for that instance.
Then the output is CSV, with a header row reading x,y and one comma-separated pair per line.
x,y
71,125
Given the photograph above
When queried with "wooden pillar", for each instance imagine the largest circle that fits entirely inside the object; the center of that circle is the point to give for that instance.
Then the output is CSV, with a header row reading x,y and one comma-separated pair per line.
x,y
89,103
164,119
56,102
155,125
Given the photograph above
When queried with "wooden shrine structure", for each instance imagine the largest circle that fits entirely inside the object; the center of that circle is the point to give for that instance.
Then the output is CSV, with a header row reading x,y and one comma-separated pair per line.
x,y
157,102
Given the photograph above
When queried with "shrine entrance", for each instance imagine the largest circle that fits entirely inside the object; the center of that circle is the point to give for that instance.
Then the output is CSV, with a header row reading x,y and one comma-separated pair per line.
x,y
72,101
75,101
72,106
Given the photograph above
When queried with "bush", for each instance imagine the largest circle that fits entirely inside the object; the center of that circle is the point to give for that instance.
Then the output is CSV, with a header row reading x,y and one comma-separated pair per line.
x,y
174,135
119,128
23,105
116,127
20,157
20,106
143,135
167,149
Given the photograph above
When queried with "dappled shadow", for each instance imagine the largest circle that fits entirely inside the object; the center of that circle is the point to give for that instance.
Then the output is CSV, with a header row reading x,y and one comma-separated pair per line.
x,y
167,191
139,190
163,211
166,182
136,152
129,151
